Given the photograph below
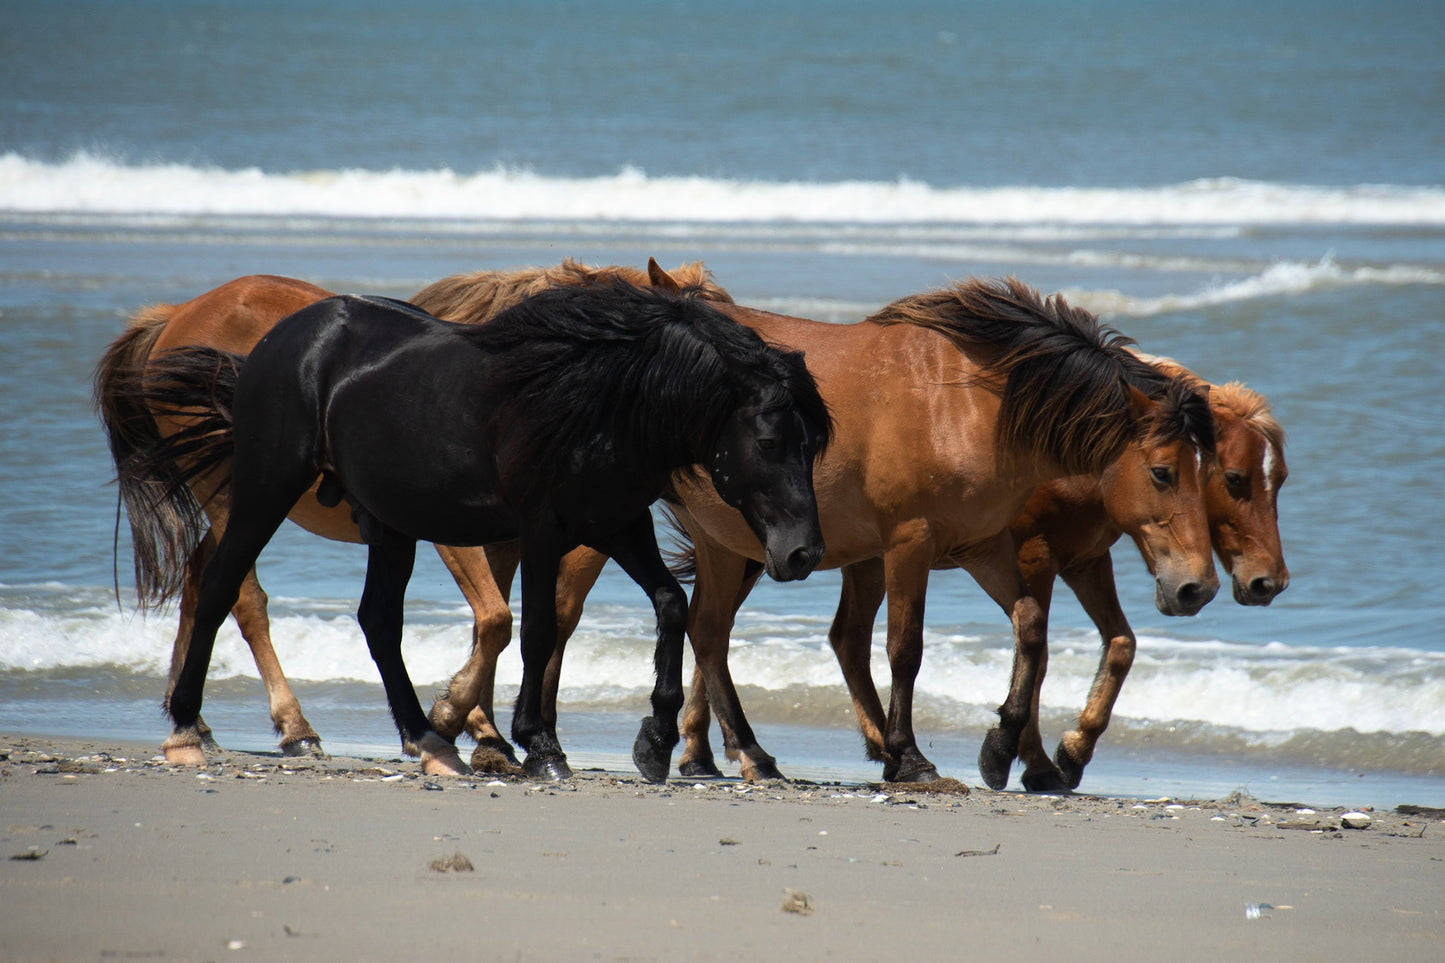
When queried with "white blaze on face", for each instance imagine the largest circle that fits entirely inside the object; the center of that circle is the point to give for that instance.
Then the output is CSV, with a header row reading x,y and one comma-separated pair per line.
x,y
1269,459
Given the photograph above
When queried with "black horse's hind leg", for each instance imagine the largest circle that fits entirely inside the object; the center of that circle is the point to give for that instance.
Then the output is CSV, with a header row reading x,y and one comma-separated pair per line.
x,y
388,570
635,549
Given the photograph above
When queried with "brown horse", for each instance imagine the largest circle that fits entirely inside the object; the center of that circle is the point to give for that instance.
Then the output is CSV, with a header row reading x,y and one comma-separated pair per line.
x,y
233,317
1067,529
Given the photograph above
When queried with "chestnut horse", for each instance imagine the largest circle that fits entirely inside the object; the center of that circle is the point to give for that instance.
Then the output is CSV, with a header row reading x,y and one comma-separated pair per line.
x,y
233,317
1067,529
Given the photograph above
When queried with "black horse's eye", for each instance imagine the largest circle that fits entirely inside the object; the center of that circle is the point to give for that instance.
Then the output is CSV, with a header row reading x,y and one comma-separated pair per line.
x,y
768,446
1163,474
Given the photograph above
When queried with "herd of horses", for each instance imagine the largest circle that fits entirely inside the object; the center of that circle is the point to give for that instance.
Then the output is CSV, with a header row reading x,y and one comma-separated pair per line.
x,y
528,420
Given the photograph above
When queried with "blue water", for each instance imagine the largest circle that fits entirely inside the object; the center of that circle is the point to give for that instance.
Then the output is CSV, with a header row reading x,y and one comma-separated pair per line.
x,y
1255,189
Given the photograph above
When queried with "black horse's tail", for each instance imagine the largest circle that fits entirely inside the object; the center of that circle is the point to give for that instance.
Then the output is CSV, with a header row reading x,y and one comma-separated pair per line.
x,y
192,387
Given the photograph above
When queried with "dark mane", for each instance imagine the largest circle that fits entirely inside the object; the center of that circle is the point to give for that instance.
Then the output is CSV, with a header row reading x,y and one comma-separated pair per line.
x,y
1063,373
642,366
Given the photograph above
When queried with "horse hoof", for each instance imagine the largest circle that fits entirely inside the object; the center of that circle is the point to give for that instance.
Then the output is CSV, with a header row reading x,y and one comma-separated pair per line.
x,y
926,773
491,759
185,755
995,758
444,764
703,768
1048,780
552,769
1070,768
309,746
652,752
762,771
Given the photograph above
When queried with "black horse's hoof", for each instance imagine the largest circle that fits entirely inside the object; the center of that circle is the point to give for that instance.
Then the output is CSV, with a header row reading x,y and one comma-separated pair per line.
x,y
651,752
1070,768
304,747
995,758
550,768
703,768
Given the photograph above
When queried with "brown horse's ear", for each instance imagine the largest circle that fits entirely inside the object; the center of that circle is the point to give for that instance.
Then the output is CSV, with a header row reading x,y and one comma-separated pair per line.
x,y
660,278
1139,403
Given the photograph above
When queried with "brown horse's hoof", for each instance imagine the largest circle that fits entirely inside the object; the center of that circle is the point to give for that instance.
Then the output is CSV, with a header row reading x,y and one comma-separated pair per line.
x,y
1048,780
304,747
1070,768
760,769
912,767
699,768
996,757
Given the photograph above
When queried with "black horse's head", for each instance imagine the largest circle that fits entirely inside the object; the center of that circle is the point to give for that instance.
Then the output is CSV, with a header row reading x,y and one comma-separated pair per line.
x,y
762,464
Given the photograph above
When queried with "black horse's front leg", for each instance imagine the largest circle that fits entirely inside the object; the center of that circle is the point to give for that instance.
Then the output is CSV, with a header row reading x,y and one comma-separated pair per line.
x,y
530,728
388,570
635,549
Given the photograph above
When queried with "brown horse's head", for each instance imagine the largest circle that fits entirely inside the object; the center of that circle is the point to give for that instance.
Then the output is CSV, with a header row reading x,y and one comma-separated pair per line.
x,y
1243,494
1154,491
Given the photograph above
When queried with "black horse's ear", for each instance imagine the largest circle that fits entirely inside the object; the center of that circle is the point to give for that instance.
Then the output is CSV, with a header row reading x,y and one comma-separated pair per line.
x,y
659,278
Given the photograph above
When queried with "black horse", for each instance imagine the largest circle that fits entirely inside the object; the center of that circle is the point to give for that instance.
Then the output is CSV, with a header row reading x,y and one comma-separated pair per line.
x,y
558,422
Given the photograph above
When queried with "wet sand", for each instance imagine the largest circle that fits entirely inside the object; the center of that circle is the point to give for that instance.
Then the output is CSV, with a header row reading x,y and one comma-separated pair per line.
x,y
112,854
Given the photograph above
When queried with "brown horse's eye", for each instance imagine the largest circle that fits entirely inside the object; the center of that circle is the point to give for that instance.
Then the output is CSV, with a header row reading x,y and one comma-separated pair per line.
x,y
1163,474
1236,481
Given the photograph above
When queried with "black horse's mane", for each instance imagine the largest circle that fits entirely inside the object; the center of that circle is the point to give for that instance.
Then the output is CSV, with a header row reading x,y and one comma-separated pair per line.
x,y
646,368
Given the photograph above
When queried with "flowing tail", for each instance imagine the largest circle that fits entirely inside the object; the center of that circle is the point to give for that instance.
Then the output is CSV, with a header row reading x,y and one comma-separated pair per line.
x,y
154,470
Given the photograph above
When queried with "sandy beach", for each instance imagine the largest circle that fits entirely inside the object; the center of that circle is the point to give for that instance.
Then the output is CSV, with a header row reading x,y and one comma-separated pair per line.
x,y
112,854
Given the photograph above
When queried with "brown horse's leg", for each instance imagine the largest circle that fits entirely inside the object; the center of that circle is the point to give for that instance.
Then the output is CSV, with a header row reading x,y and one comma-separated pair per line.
x,y
994,566
483,575
298,738
906,566
1039,769
697,756
579,572
1094,586
851,636
723,581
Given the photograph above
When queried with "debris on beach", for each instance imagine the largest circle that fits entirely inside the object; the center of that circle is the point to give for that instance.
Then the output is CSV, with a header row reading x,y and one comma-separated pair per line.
x,y
1355,820
455,863
798,903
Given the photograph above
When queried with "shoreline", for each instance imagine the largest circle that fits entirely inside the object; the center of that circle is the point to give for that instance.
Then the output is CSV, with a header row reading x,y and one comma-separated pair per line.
x,y
110,853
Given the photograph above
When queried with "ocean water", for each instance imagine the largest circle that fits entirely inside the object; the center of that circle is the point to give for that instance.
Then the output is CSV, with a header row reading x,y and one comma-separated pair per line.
x,y
1254,189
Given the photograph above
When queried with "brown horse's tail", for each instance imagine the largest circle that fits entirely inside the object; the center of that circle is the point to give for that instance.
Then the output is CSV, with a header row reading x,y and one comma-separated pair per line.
x,y
166,521
1065,380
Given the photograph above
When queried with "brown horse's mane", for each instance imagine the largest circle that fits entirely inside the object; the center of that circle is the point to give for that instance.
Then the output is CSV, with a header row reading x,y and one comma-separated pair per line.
x,y
1063,374
479,295
1248,405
